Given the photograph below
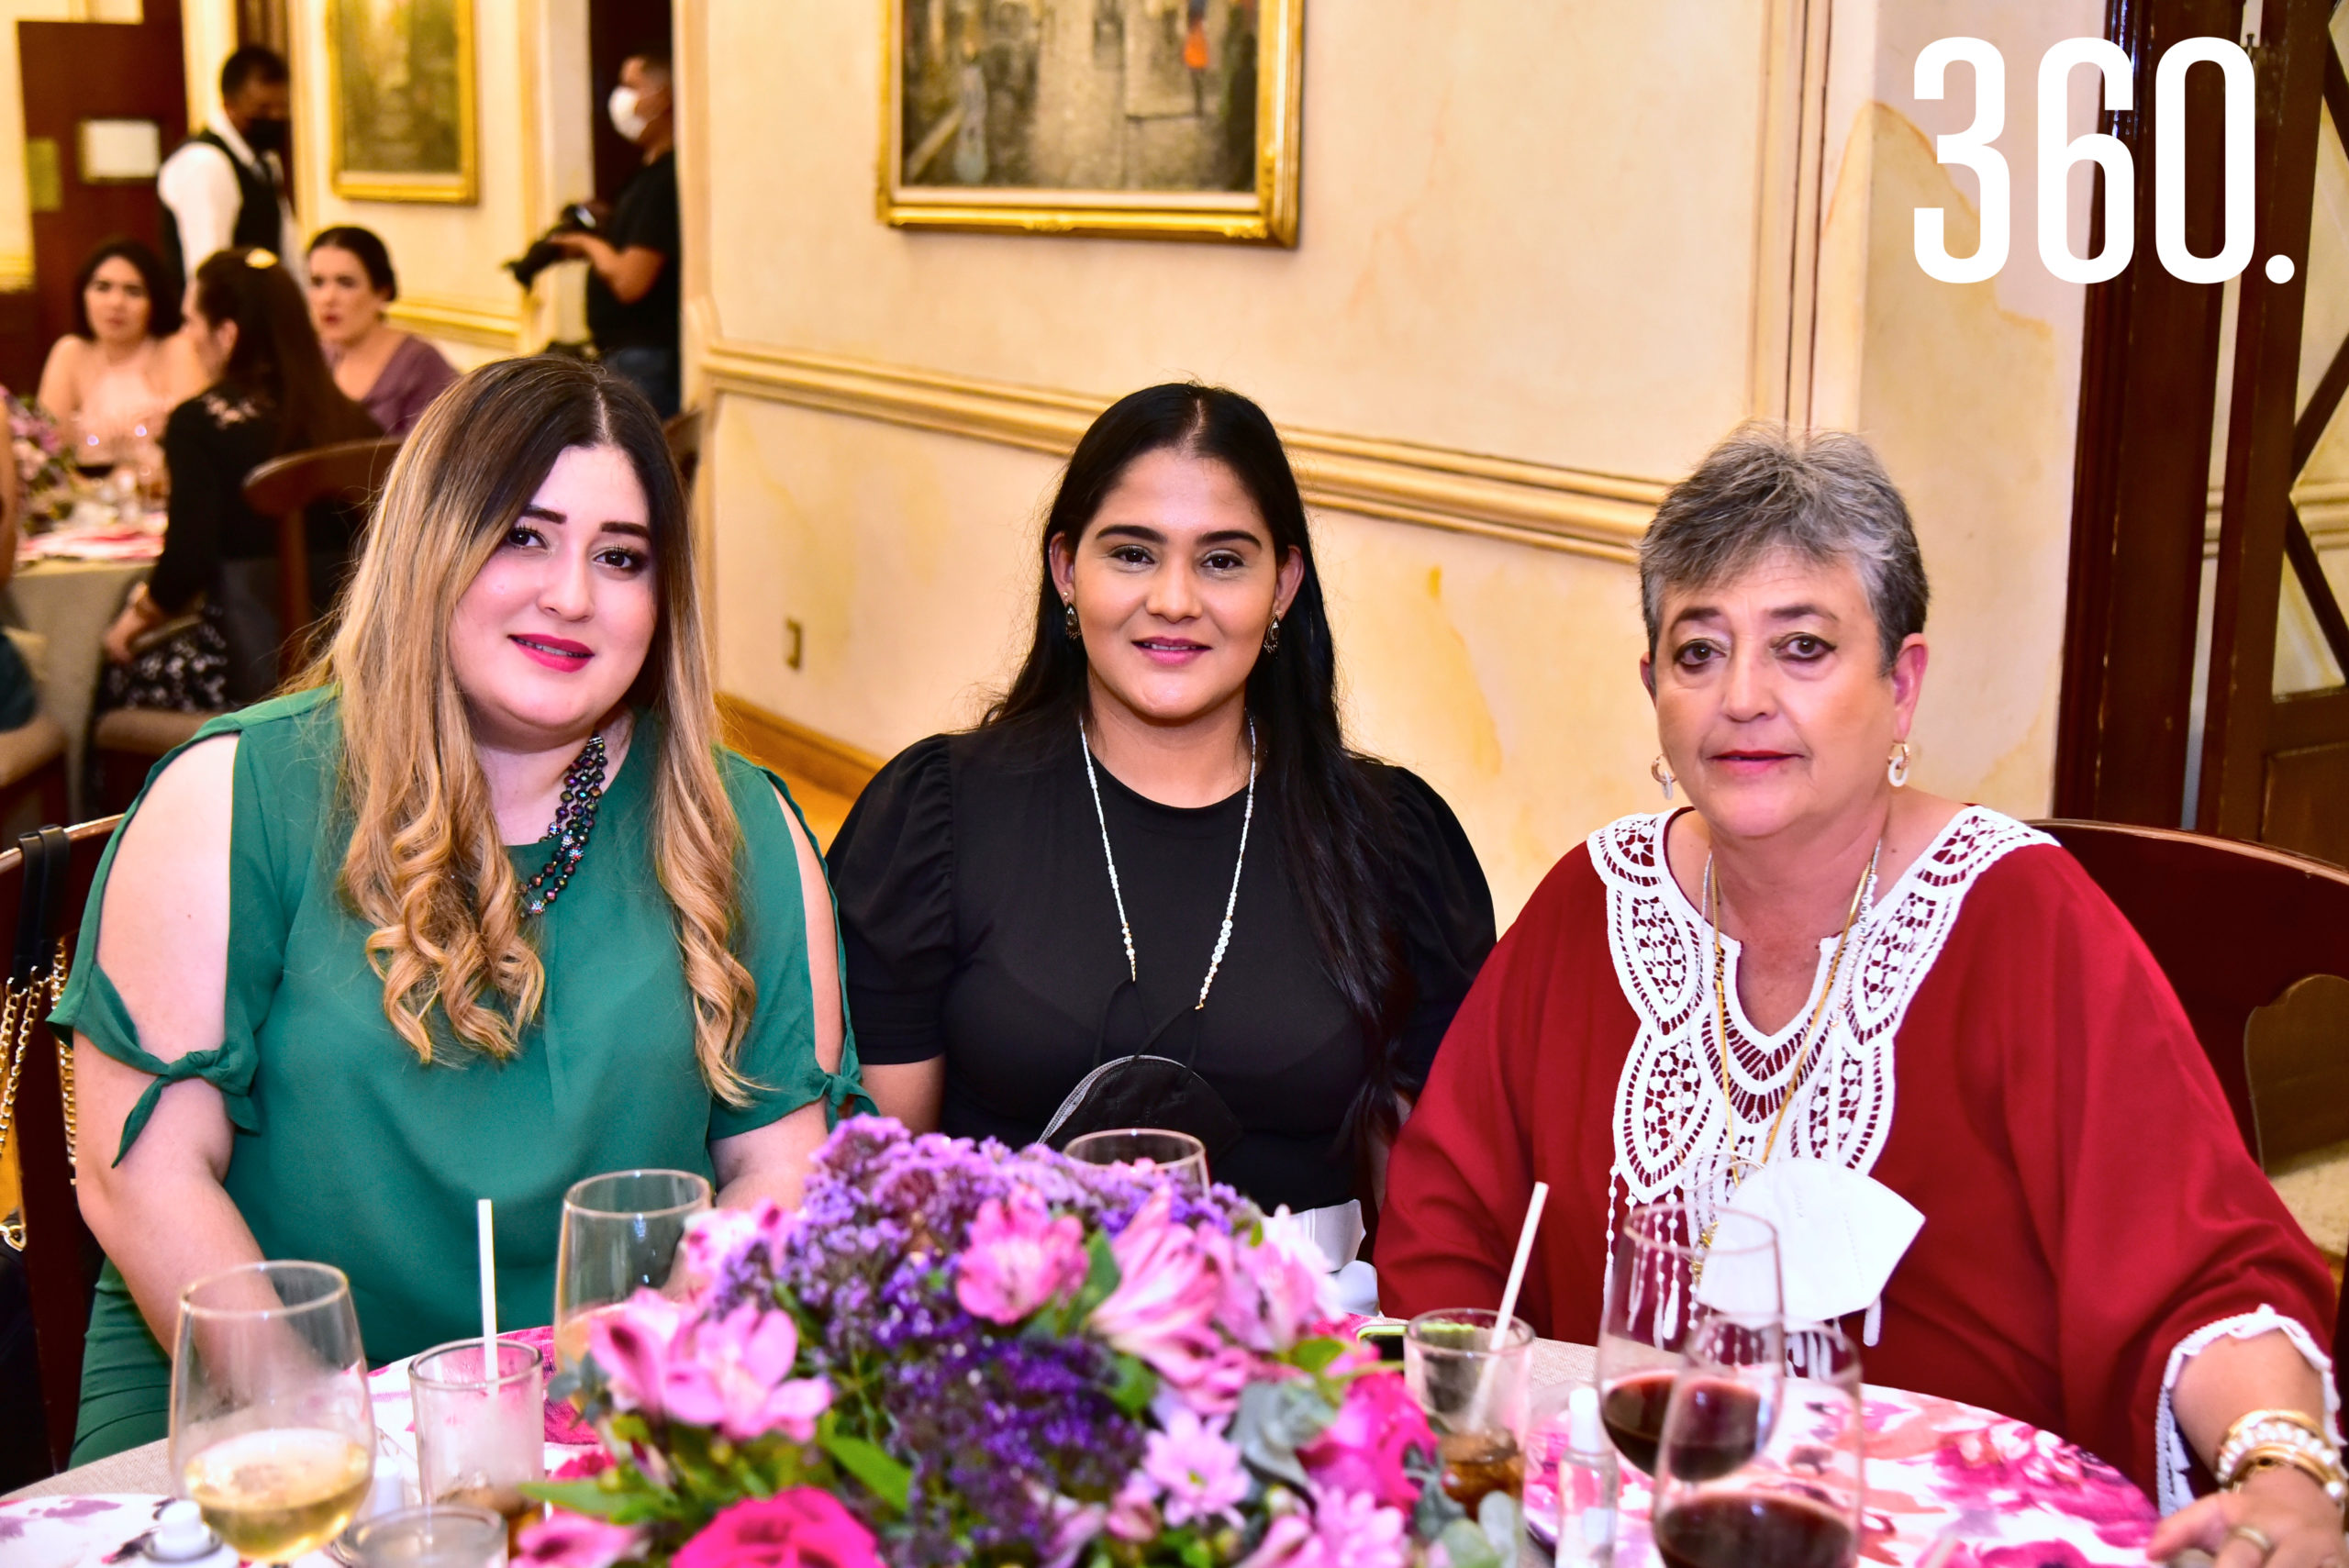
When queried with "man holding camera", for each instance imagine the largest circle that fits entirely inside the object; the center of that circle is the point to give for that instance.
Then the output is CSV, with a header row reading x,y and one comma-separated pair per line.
x,y
632,290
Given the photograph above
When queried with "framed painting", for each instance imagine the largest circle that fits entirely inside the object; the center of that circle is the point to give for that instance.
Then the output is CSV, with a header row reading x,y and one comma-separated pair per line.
x,y
1157,119
400,100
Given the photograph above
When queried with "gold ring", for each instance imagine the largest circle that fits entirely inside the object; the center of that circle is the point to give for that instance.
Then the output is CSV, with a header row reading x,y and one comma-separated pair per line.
x,y
2257,1537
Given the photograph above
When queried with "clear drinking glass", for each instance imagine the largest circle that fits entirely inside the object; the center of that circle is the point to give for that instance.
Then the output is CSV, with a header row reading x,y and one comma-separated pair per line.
x,y
272,1432
429,1537
1657,1295
480,1434
1763,1457
1475,1395
620,1235
1147,1151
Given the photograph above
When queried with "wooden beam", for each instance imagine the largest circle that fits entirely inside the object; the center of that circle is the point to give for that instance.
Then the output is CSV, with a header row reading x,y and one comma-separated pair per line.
x,y
789,746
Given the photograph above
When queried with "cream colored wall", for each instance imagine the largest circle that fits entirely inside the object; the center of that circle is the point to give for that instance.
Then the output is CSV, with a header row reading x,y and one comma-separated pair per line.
x,y
1514,244
531,93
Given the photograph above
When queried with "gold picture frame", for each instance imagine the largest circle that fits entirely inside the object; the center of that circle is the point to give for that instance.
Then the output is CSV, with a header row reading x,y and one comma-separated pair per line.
x,y
1025,131
401,120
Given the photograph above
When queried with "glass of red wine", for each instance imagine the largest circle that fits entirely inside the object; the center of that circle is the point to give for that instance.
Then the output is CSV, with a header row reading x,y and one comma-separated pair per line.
x,y
1760,1461
1665,1278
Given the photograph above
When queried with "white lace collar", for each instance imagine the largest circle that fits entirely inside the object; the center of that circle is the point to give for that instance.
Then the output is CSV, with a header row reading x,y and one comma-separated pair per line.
x,y
1673,1135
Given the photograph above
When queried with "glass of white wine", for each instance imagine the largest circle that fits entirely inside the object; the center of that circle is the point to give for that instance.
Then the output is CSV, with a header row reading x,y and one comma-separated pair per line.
x,y
620,1236
272,1432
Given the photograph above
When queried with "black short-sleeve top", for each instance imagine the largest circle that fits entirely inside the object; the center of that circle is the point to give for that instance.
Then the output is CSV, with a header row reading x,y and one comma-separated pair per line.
x,y
979,924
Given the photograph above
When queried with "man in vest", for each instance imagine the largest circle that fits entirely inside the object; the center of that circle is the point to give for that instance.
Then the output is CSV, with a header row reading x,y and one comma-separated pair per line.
x,y
226,185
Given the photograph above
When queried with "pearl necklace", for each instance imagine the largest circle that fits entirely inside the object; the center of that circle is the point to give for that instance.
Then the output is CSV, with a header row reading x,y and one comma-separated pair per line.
x,y
1223,937
575,818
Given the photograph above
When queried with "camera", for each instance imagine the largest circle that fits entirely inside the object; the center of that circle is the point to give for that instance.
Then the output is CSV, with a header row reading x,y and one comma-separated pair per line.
x,y
576,218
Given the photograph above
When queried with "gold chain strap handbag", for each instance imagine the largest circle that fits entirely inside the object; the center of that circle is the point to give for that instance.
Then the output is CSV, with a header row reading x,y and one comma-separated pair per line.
x,y
36,982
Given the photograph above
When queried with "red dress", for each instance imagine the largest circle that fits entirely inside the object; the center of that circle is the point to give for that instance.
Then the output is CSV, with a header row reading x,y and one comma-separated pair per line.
x,y
2089,1206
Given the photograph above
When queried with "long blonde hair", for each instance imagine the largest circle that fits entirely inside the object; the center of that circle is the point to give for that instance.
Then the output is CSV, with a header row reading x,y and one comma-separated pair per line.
x,y
427,866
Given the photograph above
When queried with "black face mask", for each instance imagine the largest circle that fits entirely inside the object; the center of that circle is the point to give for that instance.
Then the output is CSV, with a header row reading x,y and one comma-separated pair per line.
x,y
265,135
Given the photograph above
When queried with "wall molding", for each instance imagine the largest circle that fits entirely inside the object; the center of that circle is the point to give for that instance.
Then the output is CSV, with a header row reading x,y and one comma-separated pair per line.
x,y
789,746
1571,510
467,321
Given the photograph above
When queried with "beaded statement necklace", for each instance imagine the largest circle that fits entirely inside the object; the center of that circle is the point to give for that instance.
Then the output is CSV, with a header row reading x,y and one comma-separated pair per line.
x,y
1231,902
575,818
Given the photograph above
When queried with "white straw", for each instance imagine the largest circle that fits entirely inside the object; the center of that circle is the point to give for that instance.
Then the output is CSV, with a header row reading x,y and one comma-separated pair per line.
x,y
1517,1268
487,1228
1499,1340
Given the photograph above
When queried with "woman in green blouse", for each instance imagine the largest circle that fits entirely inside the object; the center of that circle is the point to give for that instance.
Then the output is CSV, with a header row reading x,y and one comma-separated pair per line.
x,y
342,978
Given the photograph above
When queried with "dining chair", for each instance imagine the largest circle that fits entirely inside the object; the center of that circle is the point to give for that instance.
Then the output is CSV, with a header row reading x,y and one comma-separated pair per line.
x,y
44,884
349,472
2238,928
685,431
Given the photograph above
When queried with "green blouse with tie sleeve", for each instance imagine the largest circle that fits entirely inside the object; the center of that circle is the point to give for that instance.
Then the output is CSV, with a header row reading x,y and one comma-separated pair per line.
x,y
350,1151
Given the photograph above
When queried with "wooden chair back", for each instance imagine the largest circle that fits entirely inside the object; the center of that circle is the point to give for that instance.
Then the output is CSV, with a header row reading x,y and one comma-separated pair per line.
x,y
44,884
350,472
685,431
2233,925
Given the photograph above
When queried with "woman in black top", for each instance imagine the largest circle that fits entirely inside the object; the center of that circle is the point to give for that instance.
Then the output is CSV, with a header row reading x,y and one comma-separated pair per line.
x,y
1181,651
271,393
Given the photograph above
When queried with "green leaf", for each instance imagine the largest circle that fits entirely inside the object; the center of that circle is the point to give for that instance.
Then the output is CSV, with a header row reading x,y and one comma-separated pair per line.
x,y
1315,1354
1197,1553
869,1463
1136,1386
579,1497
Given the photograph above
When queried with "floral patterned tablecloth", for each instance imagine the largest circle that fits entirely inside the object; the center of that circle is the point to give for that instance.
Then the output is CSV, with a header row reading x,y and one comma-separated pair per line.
x,y
1949,1487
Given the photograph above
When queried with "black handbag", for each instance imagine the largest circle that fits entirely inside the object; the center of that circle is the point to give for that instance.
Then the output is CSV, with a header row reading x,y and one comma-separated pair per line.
x,y
1144,1090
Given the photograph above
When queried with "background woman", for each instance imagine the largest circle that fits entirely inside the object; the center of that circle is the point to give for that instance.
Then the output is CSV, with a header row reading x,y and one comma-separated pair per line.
x,y
1722,986
428,1000
269,393
109,382
394,373
1004,936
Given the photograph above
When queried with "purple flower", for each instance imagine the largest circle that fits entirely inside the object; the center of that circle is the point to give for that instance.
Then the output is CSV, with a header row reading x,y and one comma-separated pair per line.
x,y
1200,1473
1018,1257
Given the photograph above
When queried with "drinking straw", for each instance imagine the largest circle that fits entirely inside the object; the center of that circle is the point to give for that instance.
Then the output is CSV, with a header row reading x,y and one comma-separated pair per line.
x,y
1508,1302
486,1226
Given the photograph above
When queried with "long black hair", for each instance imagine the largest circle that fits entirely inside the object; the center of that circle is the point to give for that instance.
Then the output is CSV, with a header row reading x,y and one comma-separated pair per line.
x,y
276,357
162,299
1337,823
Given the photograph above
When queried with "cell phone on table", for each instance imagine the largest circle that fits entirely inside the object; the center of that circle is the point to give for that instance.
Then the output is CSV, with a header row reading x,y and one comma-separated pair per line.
x,y
1384,1335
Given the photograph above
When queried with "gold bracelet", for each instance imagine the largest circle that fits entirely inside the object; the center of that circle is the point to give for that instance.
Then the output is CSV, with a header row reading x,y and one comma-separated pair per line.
x,y
2265,1438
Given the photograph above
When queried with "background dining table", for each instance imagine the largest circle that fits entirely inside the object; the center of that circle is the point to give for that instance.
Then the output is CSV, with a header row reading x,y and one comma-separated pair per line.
x,y
70,604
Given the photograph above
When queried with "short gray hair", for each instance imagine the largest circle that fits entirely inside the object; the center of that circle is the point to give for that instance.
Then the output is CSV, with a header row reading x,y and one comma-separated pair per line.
x,y
1822,496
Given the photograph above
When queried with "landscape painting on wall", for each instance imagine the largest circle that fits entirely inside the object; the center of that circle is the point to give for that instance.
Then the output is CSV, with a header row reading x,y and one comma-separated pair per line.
x,y
400,99
1176,118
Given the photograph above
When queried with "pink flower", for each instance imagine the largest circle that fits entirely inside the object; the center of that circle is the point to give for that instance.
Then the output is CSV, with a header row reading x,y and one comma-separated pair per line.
x,y
1288,1543
800,1528
717,1237
1363,1450
631,1345
1201,1473
583,1467
1276,1290
1133,1512
1019,1258
1356,1531
1074,1525
736,1376
1163,1308
574,1540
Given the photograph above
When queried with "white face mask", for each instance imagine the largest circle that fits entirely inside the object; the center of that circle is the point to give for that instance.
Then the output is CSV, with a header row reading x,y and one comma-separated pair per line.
x,y
627,118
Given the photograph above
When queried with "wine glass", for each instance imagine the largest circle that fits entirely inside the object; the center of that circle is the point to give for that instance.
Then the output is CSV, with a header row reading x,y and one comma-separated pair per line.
x,y
1666,1276
620,1235
272,1432
1761,1459
1147,1151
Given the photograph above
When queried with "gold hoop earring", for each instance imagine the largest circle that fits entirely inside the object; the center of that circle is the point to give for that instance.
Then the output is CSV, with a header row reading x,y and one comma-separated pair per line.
x,y
1272,636
1068,620
1661,772
1896,768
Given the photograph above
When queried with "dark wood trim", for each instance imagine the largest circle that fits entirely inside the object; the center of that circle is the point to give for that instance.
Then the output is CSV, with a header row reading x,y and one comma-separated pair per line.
x,y
789,746
2262,426
2310,569
2141,478
2308,718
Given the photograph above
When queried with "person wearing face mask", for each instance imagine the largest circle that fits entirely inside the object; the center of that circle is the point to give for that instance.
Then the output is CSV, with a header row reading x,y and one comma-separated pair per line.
x,y
1157,846
226,185
1909,1032
271,393
632,289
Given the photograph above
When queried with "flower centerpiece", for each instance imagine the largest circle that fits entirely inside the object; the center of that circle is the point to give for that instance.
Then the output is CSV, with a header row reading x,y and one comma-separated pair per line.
x,y
961,1354
46,481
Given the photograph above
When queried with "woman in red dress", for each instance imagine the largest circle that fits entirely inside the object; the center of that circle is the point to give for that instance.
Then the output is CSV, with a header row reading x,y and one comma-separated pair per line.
x,y
1697,997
